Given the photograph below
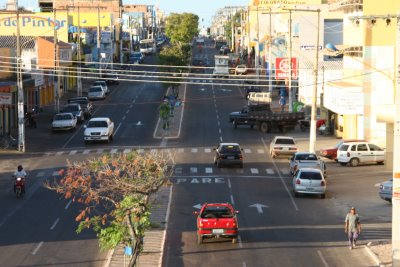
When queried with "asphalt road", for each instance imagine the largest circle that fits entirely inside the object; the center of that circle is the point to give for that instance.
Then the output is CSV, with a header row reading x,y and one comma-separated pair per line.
x,y
39,230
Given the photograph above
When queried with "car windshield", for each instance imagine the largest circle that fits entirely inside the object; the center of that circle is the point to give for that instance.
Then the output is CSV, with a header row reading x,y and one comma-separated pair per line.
x,y
136,55
99,83
95,89
229,149
306,157
343,147
217,212
61,117
71,108
79,101
284,141
95,124
310,175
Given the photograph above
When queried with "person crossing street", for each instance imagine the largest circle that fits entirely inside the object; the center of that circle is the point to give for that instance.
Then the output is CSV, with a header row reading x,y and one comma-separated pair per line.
x,y
352,227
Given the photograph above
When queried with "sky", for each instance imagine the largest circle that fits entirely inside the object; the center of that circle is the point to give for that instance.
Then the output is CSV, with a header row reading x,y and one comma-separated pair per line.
x,y
205,9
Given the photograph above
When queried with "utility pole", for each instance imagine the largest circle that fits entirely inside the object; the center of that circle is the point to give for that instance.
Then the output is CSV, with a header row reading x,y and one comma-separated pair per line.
x,y
56,63
396,160
121,55
98,40
290,62
232,34
257,53
21,117
270,52
79,85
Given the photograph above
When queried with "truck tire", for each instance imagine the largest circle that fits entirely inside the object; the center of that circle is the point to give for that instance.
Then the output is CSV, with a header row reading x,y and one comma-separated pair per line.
x,y
234,124
264,127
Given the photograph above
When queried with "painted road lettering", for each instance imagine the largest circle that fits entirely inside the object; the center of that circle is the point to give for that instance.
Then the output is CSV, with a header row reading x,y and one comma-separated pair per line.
x,y
200,180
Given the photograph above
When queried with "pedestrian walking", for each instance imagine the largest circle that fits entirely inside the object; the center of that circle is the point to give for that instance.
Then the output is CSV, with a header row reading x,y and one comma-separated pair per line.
x,y
282,103
352,227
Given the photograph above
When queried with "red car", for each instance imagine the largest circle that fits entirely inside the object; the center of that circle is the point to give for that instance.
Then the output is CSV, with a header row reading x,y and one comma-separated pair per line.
x,y
216,220
331,153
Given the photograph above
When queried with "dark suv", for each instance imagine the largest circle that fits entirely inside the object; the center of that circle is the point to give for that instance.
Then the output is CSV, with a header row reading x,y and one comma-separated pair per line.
x,y
86,105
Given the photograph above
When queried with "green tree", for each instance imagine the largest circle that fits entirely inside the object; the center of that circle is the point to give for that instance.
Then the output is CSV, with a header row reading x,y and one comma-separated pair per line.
x,y
181,28
114,191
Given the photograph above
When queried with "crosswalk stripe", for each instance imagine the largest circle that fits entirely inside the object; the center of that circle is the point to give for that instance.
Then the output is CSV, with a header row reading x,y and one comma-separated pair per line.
x,y
193,169
178,170
260,151
204,81
239,171
114,151
194,150
86,151
55,173
127,150
59,153
47,154
269,171
209,170
254,170
180,150
99,151
140,151
247,150
285,171
153,151
207,150
73,152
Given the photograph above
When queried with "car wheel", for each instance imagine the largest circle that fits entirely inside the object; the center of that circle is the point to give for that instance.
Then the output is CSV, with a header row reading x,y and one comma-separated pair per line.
x,y
218,164
343,163
323,196
234,240
380,162
354,162
234,124
264,127
199,239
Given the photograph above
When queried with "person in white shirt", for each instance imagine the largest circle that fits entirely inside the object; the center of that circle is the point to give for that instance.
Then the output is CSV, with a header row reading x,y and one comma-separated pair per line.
x,y
20,173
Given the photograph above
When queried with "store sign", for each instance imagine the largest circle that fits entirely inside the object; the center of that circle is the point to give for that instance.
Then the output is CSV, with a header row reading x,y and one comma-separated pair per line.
x,y
273,3
5,98
344,101
283,68
38,78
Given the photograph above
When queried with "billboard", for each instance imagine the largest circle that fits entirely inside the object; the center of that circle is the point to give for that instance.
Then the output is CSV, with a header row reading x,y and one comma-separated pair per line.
x,y
283,68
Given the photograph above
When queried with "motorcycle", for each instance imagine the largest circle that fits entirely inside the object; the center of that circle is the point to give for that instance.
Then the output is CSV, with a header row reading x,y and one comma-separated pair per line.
x,y
19,186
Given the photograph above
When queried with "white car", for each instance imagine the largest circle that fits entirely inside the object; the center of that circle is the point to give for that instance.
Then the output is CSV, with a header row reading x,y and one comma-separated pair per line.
x,y
309,181
241,69
64,121
102,84
99,129
306,160
282,145
96,92
356,153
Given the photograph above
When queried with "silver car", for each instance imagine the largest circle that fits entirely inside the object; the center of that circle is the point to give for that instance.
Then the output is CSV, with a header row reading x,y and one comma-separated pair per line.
x,y
96,92
102,84
309,181
64,121
386,190
282,145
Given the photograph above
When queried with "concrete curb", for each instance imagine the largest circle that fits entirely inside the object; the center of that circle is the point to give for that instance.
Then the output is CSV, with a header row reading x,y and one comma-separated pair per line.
x,y
166,226
373,256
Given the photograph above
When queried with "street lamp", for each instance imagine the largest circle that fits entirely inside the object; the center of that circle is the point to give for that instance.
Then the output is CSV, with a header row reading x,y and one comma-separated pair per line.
x,y
256,57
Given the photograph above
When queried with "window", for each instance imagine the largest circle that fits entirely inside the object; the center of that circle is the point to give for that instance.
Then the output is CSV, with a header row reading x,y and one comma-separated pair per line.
x,y
284,141
217,212
343,147
353,148
373,147
362,147
310,175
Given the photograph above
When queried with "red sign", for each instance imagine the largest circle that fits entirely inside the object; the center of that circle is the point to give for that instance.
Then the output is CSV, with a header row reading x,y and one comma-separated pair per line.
x,y
282,68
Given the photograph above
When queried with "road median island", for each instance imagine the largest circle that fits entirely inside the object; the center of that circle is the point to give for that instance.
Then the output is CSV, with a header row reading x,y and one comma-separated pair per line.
x,y
170,128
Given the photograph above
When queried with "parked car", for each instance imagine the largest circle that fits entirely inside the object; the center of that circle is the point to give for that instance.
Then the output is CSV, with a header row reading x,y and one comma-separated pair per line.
x,y
86,105
136,58
63,122
331,153
103,84
228,154
386,190
241,69
282,145
309,181
111,78
306,160
76,110
215,220
99,129
250,89
360,153
96,92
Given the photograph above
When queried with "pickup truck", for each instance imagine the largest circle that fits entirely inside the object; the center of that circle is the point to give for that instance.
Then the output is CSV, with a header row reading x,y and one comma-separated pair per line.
x,y
99,129
306,160
264,118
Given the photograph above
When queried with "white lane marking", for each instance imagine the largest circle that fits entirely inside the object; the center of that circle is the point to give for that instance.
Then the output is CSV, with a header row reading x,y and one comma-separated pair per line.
x,y
73,152
99,151
127,150
127,111
229,183
115,132
113,151
322,258
377,185
220,138
140,151
260,151
68,204
193,170
247,151
194,150
207,150
86,151
181,150
254,170
281,178
55,173
124,117
219,130
54,224
269,171
164,142
37,248
209,170
232,200
131,105
240,241
59,153
40,174
178,170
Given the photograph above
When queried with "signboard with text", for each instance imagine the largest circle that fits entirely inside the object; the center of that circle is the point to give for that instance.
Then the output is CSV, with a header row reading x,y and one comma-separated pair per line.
x,y
5,98
283,68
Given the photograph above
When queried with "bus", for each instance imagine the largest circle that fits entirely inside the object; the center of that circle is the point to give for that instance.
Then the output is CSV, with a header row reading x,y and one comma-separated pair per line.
x,y
148,46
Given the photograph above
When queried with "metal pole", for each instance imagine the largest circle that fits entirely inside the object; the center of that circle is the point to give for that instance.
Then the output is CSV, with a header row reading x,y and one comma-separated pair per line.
x,y
98,40
396,162
121,55
79,85
257,53
290,62
56,61
130,36
232,35
270,52
313,127
21,117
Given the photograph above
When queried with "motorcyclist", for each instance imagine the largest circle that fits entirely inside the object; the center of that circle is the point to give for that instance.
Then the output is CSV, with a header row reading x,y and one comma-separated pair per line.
x,y
30,115
20,173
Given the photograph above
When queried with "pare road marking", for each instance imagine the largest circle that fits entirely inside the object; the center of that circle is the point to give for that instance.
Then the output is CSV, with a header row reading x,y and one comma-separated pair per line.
x,y
198,180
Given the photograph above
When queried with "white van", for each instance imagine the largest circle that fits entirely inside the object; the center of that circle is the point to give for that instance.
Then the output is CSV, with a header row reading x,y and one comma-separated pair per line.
x,y
258,97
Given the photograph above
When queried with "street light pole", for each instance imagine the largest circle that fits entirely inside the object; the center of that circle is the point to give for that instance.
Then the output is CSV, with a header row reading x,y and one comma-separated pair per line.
x,y
79,85
290,62
270,51
56,63
98,40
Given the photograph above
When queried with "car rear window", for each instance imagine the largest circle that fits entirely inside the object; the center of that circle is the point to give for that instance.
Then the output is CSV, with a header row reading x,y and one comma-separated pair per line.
x,y
217,212
71,108
284,141
95,89
94,124
343,147
306,157
310,175
229,148
60,117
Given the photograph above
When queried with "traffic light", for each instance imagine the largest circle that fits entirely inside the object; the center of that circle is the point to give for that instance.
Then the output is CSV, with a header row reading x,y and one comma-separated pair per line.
x,y
208,31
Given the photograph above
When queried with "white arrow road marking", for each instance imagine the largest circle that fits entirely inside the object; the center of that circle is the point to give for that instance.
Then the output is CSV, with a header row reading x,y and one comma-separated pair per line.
x,y
259,207
202,89
197,206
